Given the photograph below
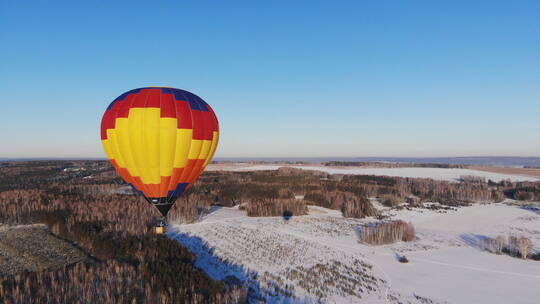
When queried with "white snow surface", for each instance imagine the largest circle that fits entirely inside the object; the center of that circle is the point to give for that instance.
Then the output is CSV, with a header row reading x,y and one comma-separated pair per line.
x,y
452,174
316,258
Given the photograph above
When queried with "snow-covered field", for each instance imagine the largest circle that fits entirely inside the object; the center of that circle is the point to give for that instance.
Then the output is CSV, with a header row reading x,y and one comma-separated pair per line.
x,y
453,174
316,258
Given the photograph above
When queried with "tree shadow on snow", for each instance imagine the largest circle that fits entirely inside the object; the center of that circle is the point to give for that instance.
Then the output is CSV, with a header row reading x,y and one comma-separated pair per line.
x,y
531,208
213,265
203,212
232,274
358,233
473,240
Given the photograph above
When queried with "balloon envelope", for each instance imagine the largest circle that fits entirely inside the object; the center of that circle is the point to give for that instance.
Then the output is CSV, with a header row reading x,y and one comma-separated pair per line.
x,y
159,140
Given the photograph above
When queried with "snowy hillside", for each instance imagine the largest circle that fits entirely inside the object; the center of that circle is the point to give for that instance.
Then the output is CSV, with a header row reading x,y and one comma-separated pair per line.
x,y
317,257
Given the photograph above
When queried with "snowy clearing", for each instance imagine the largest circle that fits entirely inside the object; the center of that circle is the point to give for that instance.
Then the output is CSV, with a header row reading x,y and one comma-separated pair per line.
x,y
316,258
452,174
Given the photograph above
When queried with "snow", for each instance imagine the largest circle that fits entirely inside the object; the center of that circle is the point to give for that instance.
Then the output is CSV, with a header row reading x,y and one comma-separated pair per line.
x,y
447,263
451,174
464,275
271,253
317,258
289,261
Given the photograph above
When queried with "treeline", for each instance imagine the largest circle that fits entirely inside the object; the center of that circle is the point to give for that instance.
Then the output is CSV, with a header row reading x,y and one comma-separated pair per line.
x,y
398,189
262,193
389,165
257,191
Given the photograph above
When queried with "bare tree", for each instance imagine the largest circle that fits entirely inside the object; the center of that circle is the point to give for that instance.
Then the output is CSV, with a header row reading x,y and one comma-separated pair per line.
x,y
525,247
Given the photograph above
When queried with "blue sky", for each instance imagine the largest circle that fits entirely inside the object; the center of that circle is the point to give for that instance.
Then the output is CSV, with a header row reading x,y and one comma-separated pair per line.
x,y
291,78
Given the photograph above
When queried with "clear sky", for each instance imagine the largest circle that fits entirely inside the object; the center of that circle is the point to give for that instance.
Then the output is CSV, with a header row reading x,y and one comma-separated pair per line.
x,y
291,78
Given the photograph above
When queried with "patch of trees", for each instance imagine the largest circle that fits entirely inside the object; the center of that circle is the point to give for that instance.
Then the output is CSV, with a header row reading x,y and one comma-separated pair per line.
x,y
276,207
390,200
514,246
473,179
524,191
350,204
386,232
355,206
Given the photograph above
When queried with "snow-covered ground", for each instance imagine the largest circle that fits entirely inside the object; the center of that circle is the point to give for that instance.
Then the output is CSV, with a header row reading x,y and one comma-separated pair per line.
x,y
446,261
317,257
452,174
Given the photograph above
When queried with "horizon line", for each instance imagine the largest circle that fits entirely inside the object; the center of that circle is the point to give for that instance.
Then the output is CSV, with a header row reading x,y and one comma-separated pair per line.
x,y
280,157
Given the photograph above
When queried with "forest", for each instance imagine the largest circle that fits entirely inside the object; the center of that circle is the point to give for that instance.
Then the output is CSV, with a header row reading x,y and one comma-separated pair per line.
x,y
129,263
87,204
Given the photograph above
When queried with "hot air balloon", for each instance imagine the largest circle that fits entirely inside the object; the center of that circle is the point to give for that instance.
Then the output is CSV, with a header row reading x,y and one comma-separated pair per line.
x,y
159,140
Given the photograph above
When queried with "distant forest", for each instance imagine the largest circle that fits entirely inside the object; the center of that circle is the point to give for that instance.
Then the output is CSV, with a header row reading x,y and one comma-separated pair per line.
x,y
505,161
390,165
86,203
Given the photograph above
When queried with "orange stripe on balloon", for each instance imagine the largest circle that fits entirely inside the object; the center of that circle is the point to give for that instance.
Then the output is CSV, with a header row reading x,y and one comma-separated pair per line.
x,y
164,185
197,168
152,190
137,183
187,170
124,173
175,177
133,180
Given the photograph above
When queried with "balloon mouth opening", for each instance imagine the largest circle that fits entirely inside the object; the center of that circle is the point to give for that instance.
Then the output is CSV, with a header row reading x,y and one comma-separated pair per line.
x,y
162,204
